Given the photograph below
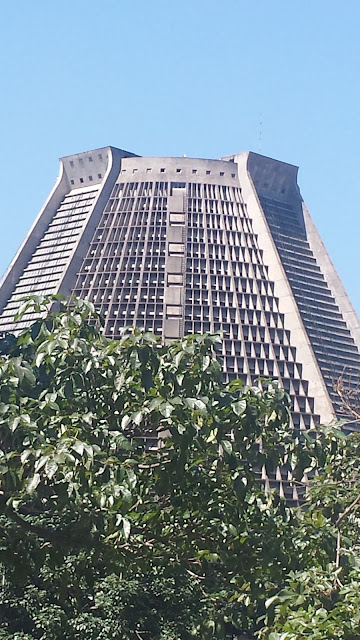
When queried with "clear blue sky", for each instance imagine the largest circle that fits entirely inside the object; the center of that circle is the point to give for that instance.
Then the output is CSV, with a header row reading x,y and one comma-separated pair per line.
x,y
196,77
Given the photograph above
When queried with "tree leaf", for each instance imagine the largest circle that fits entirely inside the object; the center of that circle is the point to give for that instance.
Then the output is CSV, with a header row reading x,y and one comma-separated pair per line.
x,y
13,423
51,468
166,409
147,379
227,446
33,483
78,447
239,407
126,528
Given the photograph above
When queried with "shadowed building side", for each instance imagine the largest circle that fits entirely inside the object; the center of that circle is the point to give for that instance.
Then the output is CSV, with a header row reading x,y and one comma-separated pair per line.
x,y
328,317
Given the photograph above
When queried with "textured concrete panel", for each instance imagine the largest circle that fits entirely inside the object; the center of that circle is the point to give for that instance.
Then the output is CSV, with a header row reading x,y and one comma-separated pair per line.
x,y
172,328
174,295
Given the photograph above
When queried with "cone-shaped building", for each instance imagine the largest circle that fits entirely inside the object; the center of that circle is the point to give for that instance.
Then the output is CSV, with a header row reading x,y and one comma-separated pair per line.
x,y
185,245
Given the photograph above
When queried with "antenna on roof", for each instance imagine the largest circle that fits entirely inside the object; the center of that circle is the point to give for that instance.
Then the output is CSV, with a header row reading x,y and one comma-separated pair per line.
x,y
260,133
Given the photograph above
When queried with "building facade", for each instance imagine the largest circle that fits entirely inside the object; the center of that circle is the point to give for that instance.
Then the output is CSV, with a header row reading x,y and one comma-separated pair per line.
x,y
184,245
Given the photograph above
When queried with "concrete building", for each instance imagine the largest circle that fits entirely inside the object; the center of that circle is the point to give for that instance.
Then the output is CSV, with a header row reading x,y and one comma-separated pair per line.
x,y
187,245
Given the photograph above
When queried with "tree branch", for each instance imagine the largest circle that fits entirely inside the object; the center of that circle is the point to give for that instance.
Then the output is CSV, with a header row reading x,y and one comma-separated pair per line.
x,y
50,535
347,511
338,524
46,534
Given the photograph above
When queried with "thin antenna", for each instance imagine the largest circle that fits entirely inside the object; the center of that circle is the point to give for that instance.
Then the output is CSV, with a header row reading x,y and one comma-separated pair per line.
x,y
260,133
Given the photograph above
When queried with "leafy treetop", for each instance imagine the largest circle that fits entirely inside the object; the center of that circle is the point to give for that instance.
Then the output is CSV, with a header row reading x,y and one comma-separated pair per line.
x,y
130,502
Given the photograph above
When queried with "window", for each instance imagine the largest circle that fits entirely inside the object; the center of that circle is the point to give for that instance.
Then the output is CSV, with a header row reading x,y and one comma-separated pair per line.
x,y
90,159
99,176
178,170
148,170
208,172
71,163
90,178
162,170
233,175
194,171
177,185
99,156
221,173
72,181
81,180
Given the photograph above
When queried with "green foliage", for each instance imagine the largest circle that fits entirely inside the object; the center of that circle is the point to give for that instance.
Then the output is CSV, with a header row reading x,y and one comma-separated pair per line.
x,y
104,535
321,599
312,605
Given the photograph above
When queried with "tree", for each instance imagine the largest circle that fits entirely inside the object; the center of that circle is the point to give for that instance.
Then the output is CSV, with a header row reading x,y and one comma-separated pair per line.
x,y
321,599
131,505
